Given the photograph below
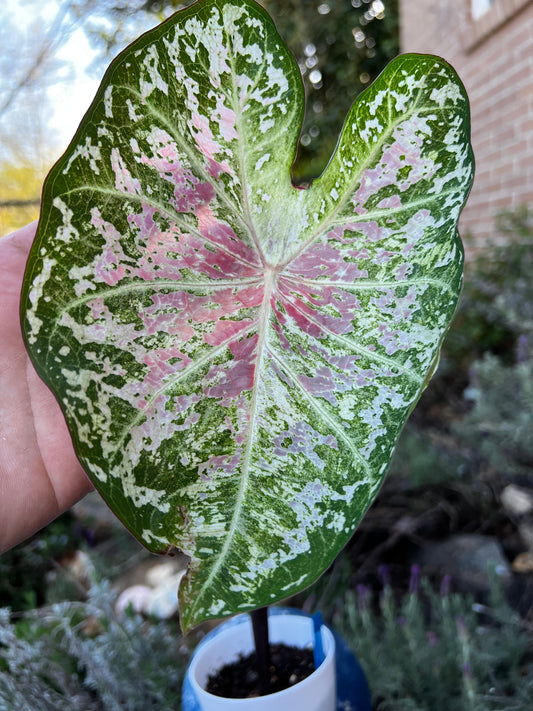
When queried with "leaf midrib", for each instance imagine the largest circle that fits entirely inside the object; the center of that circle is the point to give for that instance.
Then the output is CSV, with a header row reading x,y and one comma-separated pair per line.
x,y
172,285
240,147
363,285
245,468
377,214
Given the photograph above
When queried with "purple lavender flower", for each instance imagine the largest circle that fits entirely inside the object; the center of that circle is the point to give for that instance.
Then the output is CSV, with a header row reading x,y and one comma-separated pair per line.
x,y
522,349
363,596
432,638
467,671
445,585
414,580
384,575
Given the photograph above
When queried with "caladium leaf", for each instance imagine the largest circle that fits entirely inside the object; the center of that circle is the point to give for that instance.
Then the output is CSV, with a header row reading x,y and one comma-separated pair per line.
x,y
235,357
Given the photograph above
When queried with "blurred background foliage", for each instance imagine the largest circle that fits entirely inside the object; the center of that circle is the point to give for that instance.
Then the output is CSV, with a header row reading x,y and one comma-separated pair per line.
x,y
439,650
29,66
340,46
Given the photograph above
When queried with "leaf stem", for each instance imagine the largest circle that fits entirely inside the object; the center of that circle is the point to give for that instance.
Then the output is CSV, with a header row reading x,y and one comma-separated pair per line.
x,y
262,647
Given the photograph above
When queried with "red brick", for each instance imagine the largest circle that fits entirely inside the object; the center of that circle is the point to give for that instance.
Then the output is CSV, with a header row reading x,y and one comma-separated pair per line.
x,y
493,59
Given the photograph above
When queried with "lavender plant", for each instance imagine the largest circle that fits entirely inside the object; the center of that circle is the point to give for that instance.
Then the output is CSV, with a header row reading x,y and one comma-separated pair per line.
x,y
441,649
84,656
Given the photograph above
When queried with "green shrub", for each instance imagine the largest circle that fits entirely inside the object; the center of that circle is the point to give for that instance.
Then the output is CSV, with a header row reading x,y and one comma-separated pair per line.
x,y
495,306
23,569
424,461
500,424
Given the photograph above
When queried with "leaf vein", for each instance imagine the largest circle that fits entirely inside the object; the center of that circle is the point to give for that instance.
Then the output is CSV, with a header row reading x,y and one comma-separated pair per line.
x,y
336,426
351,346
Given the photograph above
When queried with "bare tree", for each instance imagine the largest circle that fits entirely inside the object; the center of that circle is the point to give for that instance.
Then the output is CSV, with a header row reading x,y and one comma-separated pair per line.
x,y
28,67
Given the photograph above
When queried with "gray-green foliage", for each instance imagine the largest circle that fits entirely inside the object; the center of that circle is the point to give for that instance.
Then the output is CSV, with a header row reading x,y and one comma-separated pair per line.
x,y
437,652
440,652
426,458
500,422
82,656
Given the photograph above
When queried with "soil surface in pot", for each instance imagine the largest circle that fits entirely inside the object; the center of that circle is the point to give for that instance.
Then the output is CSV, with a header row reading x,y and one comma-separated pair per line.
x,y
240,679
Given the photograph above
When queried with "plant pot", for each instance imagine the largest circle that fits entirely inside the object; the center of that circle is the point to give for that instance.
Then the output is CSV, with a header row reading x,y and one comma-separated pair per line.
x,y
315,693
318,692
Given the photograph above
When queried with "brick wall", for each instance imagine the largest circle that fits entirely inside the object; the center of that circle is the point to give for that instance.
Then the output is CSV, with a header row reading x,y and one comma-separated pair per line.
x,y
494,58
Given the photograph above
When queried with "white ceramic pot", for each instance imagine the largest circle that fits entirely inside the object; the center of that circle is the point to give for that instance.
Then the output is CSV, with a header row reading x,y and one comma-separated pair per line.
x,y
315,693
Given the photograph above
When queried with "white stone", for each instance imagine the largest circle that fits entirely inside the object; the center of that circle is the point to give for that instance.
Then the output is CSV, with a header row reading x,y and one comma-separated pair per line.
x,y
517,501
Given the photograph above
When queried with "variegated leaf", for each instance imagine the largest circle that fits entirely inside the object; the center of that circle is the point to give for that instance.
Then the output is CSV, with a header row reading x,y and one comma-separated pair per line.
x,y
235,357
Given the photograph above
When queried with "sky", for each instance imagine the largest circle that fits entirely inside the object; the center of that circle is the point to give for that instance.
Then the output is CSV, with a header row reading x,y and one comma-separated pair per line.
x,y
71,97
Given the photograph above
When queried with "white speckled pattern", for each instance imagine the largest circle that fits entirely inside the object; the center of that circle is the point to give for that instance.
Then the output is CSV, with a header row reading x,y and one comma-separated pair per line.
x,y
236,357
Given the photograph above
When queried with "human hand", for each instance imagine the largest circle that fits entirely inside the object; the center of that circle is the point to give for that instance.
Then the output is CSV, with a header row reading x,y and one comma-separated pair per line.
x,y
40,476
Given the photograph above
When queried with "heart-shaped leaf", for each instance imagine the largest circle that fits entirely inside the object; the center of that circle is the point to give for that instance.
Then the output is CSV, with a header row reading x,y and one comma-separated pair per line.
x,y
235,357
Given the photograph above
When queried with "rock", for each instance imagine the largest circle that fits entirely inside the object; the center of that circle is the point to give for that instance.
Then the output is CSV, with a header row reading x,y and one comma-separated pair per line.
x,y
158,574
523,563
516,500
151,587
136,597
163,603
151,571
468,558
138,573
